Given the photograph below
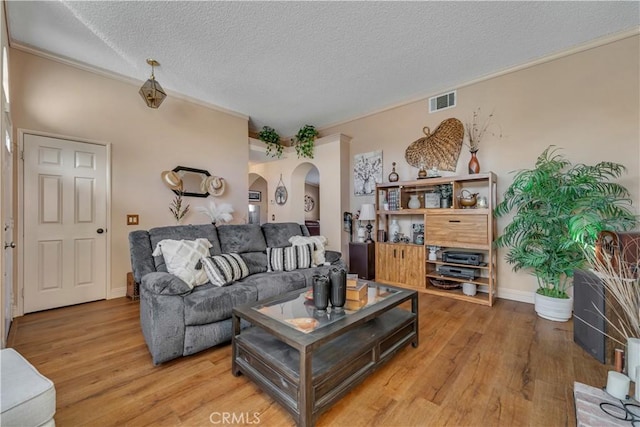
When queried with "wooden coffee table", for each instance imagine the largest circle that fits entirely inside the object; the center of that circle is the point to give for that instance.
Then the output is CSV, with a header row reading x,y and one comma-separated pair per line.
x,y
307,360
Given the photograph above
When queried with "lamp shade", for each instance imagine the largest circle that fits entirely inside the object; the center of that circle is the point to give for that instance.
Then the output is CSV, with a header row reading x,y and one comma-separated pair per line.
x,y
367,212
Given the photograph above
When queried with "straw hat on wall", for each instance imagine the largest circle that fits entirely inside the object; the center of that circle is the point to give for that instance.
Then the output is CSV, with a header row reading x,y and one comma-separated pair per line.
x,y
213,185
171,179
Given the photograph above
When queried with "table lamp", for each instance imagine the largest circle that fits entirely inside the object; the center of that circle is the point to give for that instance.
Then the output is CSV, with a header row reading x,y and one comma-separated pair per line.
x,y
368,213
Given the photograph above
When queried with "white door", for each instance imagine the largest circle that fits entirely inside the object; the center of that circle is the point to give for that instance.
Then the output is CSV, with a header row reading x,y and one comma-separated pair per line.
x,y
7,217
64,222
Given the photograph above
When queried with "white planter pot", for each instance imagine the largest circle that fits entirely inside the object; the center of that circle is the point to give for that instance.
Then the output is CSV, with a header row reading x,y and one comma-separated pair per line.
x,y
556,309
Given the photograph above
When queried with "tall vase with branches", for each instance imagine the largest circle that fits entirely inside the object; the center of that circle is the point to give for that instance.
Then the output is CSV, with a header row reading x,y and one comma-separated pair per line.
x,y
176,207
474,133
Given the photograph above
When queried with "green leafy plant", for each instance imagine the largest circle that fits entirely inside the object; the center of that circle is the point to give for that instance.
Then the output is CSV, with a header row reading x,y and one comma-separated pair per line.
x,y
304,141
269,136
559,209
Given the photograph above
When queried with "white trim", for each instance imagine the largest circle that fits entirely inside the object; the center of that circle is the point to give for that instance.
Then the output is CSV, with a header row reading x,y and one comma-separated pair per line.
x,y
19,308
119,77
552,57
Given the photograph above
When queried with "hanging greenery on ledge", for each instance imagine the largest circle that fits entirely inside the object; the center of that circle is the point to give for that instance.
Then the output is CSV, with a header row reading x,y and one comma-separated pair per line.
x,y
305,141
269,136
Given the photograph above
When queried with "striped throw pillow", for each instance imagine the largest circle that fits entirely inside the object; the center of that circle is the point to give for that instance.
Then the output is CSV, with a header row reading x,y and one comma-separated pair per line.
x,y
289,258
224,269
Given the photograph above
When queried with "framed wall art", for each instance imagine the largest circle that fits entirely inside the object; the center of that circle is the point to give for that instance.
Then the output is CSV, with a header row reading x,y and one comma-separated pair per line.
x,y
255,196
367,171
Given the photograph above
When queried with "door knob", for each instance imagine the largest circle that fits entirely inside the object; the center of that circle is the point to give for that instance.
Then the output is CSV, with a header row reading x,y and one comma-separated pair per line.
x,y
100,230
9,245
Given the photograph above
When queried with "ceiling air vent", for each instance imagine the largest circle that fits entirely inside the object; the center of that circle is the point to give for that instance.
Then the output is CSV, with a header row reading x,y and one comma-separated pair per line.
x,y
442,102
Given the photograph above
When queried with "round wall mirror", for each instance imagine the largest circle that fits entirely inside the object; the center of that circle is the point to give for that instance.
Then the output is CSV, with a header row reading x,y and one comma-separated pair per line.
x,y
281,195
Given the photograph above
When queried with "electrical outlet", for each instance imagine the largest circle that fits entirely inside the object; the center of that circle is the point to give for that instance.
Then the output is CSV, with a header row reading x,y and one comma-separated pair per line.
x,y
132,219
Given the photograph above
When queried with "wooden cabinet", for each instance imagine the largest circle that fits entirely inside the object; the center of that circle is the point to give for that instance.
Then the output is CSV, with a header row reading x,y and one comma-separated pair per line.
x,y
400,264
455,229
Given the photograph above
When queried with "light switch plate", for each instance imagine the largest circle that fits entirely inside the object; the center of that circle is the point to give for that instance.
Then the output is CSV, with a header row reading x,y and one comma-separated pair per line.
x,y
132,219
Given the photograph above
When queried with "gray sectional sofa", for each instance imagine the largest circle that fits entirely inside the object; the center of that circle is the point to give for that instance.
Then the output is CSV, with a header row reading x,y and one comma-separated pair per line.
x,y
177,320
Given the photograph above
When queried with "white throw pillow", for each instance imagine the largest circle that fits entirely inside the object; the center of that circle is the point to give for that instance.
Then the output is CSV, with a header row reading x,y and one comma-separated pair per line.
x,y
319,241
290,258
182,257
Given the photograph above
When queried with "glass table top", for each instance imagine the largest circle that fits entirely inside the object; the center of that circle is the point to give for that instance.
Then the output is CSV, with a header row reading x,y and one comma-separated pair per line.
x,y
300,313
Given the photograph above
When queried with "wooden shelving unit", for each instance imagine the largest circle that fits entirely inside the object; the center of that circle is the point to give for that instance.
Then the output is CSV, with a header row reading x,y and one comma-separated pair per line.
x,y
456,228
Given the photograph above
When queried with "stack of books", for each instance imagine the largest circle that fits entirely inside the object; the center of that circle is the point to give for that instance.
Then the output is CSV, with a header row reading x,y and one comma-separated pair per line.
x,y
394,199
357,292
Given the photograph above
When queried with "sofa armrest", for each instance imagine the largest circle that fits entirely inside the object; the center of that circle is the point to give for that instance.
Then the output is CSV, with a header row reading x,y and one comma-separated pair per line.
x,y
164,284
332,257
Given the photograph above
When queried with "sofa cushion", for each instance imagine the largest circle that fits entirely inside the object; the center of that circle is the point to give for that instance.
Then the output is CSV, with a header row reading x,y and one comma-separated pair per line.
x,y
224,269
276,283
210,303
182,257
319,243
291,258
186,232
256,261
277,235
240,238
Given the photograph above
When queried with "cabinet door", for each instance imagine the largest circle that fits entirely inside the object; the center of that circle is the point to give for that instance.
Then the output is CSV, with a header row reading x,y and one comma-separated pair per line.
x,y
412,266
458,230
382,262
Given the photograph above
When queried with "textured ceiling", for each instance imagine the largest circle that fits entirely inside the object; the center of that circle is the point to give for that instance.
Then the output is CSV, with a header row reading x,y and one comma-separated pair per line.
x,y
286,64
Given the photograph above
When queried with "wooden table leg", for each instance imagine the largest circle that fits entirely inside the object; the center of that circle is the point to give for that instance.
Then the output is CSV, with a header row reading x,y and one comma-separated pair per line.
x,y
415,310
236,331
305,402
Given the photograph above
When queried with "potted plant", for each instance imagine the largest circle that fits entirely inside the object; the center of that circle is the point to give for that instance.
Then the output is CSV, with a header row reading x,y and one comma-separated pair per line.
x,y
304,141
559,209
446,191
269,136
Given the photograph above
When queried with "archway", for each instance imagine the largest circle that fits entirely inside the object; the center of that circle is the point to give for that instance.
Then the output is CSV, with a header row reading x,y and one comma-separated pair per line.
x,y
305,196
258,209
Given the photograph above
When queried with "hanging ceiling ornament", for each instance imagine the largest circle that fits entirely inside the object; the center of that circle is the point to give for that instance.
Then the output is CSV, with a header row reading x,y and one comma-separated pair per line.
x,y
151,91
439,149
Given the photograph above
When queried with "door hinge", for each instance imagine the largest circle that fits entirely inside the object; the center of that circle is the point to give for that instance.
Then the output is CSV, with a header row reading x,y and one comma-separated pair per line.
x,y
22,155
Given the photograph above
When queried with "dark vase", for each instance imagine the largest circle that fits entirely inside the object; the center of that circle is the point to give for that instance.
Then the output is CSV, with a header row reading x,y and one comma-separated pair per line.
x,y
321,287
338,277
474,164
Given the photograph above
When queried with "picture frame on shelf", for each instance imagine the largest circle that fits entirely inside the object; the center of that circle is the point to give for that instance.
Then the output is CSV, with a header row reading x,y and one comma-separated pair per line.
x,y
255,196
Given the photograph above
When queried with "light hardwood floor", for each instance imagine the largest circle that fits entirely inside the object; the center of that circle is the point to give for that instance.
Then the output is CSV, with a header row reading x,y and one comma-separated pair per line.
x,y
475,366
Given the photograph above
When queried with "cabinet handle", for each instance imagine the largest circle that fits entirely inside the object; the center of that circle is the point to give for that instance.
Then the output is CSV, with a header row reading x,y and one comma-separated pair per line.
x,y
454,220
394,253
403,254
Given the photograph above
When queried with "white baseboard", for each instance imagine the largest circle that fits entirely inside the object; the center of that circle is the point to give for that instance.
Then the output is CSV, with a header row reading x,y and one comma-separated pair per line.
x,y
516,295
117,292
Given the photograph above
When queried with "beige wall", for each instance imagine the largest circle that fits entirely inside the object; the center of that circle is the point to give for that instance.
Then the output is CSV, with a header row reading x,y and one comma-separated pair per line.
x,y
587,103
49,96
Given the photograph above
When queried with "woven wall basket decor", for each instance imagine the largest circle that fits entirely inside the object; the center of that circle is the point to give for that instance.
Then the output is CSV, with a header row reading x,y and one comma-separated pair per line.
x,y
439,149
